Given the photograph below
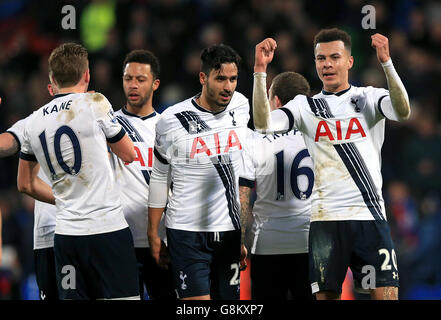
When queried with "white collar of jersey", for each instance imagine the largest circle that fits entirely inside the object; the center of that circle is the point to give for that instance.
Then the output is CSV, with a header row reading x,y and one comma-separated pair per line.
x,y
197,106
126,112
337,93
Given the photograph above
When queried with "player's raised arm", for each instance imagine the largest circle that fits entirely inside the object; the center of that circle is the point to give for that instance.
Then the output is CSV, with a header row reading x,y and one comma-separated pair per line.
x,y
264,120
261,109
399,100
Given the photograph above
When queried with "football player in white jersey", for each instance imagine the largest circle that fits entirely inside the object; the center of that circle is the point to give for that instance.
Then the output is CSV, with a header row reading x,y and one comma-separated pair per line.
x,y
140,79
93,245
44,217
280,167
343,127
198,148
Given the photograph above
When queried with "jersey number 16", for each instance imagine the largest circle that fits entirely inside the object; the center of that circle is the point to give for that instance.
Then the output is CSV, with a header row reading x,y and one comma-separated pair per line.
x,y
295,172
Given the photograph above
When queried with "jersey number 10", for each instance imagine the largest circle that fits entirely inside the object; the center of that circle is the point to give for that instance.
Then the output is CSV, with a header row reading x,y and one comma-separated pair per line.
x,y
57,148
295,172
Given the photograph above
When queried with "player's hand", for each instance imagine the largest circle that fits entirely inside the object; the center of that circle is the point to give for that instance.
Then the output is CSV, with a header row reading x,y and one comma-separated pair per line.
x,y
264,54
164,256
381,44
243,257
155,247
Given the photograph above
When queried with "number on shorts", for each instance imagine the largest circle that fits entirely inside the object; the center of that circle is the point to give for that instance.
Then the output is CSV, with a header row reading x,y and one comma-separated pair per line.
x,y
235,280
386,266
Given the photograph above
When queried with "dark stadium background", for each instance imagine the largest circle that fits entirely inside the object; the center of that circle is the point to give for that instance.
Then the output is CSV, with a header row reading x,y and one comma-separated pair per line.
x,y
176,31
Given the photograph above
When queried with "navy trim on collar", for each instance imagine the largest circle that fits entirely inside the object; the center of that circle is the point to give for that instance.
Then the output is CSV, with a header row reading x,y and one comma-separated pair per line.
x,y
125,111
58,95
337,93
195,104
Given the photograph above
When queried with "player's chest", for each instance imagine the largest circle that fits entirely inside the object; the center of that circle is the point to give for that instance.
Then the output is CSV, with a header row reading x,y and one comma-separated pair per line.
x,y
343,124
142,134
211,142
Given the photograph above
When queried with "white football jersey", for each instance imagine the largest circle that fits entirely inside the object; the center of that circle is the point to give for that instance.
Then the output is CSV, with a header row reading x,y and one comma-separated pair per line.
x,y
134,178
204,152
281,168
44,213
344,133
68,138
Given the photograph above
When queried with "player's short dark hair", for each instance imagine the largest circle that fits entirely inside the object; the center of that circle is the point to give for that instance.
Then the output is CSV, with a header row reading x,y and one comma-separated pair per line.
x,y
287,85
144,57
67,64
333,34
214,56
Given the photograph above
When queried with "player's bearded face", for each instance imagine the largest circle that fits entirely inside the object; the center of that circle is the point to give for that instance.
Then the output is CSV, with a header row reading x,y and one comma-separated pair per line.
x,y
221,84
138,84
332,62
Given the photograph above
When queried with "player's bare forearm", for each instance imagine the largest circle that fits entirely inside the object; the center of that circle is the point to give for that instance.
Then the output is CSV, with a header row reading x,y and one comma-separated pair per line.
x,y
397,91
154,218
245,208
29,183
8,145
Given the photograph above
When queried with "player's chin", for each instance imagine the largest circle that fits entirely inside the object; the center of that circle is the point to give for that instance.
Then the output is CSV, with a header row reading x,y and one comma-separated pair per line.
x,y
223,102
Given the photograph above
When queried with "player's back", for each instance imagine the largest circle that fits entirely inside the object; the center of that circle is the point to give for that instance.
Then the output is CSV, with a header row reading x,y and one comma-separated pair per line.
x,y
68,138
281,167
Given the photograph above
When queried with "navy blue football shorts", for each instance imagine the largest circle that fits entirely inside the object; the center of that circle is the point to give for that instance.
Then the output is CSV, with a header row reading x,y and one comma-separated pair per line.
x,y
99,266
205,263
364,246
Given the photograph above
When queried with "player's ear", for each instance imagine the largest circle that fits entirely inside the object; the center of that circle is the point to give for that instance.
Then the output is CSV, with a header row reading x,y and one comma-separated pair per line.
x,y
278,103
350,62
155,85
49,88
202,78
87,76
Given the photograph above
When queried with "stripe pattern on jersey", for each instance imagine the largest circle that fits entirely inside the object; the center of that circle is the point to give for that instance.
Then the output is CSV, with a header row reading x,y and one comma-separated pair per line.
x,y
130,129
362,178
192,122
320,108
224,168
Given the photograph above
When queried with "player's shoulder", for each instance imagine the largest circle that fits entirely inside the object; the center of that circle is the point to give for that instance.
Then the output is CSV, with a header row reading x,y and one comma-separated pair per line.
x,y
238,100
299,100
167,120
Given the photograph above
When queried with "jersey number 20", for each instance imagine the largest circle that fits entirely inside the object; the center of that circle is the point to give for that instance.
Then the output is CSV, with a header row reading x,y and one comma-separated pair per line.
x,y
295,172
57,148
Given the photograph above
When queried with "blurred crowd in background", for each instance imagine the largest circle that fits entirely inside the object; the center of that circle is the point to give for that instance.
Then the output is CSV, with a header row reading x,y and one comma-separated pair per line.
x,y
176,31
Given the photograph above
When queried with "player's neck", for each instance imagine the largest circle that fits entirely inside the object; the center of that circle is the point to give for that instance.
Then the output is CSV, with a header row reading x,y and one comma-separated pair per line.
x,y
74,89
203,102
143,111
340,88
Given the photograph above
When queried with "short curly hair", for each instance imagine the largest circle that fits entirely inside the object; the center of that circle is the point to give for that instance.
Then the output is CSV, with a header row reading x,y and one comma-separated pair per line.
x,y
216,55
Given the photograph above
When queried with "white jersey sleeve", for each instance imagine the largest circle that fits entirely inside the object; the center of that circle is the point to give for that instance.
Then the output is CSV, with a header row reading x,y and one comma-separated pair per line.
x,y
248,173
17,131
106,119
